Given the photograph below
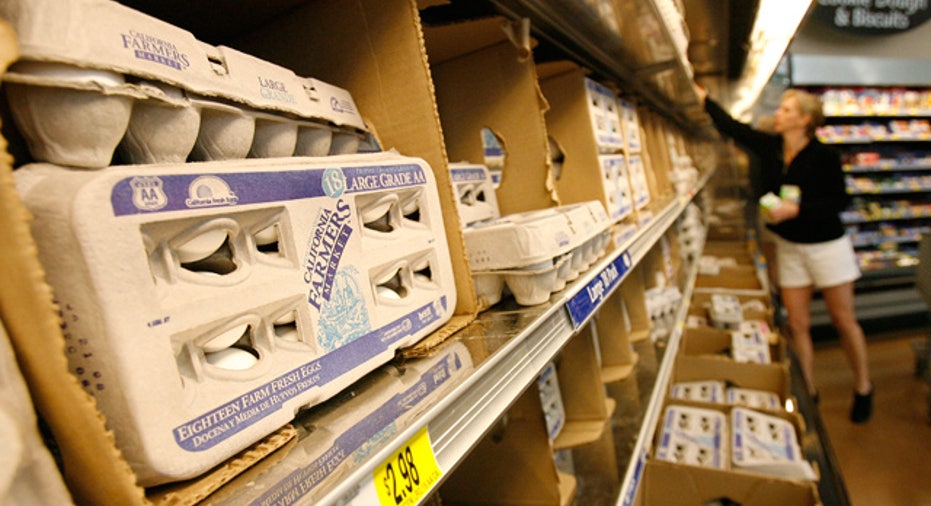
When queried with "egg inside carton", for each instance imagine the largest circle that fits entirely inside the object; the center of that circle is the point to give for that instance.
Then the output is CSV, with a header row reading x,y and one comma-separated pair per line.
x,y
80,117
245,301
616,186
535,253
693,436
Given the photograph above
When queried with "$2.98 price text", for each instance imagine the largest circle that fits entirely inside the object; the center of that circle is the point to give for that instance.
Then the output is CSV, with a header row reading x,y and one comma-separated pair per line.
x,y
408,474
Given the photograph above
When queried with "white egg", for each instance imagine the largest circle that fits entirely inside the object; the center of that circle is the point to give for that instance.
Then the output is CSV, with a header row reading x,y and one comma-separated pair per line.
x,y
267,235
233,359
202,246
225,339
386,293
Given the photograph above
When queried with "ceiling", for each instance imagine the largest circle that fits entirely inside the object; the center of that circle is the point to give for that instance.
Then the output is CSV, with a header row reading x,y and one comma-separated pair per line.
x,y
719,35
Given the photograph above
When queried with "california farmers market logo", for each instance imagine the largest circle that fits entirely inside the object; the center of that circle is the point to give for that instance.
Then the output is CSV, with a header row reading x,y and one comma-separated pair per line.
x,y
151,48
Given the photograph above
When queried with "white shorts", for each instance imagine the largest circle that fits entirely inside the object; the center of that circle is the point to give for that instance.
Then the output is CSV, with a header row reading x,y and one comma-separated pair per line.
x,y
822,264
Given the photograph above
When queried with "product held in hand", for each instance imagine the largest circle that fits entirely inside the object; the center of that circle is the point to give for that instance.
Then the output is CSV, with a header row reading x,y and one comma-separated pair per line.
x,y
536,252
208,302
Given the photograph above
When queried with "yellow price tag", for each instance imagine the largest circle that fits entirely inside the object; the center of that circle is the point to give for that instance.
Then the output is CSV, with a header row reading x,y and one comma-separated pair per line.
x,y
409,473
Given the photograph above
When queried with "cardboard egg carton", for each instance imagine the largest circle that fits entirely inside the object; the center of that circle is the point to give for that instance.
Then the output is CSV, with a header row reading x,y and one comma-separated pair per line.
x,y
618,198
750,344
753,398
702,391
331,444
639,187
725,311
554,412
131,81
768,444
476,191
205,303
605,116
693,436
535,253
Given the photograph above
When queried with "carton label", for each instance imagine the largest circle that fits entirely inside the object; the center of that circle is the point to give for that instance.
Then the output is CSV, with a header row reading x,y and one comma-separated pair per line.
x,y
362,179
148,194
154,49
325,248
462,175
362,438
223,422
584,303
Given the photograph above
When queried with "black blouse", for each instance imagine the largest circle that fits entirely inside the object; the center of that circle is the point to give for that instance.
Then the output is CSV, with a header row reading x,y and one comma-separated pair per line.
x,y
816,170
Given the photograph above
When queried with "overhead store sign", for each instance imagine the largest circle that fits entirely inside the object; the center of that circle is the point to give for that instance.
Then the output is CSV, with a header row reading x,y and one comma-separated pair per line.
x,y
872,17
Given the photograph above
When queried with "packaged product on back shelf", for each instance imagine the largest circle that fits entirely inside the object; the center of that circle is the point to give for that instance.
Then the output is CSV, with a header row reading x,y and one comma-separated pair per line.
x,y
88,87
767,444
693,436
207,302
535,253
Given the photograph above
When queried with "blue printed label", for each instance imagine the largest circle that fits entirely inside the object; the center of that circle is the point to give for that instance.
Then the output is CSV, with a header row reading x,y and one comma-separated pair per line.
x,y
584,303
361,179
361,439
146,194
631,492
221,423
151,48
275,90
462,175
325,247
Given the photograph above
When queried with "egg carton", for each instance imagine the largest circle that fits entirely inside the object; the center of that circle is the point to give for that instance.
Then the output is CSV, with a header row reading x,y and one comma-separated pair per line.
x,y
639,187
767,443
630,125
206,303
725,311
693,436
751,398
535,253
704,391
605,117
749,345
95,76
476,193
616,186
554,413
331,444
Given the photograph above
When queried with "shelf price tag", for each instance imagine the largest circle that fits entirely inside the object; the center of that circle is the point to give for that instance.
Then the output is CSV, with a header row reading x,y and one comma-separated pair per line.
x,y
408,475
584,303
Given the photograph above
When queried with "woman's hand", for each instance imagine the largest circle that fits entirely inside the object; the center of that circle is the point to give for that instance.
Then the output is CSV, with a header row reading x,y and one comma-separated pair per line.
x,y
702,93
784,211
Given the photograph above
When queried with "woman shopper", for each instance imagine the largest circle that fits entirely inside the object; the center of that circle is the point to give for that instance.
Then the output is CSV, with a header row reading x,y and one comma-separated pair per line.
x,y
812,249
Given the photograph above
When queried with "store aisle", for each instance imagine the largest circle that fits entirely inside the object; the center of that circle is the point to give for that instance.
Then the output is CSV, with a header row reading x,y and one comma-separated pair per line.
x,y
886,462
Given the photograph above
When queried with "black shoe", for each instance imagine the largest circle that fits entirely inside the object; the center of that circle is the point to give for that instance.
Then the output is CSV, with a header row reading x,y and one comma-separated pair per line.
x,y
862,407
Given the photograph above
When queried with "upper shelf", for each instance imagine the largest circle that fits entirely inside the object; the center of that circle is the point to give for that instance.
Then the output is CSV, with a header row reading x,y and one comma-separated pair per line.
x,y
638,51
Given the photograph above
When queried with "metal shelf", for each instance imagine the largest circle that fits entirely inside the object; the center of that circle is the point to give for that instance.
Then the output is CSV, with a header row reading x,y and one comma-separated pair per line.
x,y
521,340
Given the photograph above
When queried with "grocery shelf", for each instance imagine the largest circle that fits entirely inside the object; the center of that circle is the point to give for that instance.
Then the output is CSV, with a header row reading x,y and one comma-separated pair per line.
x,y
519,342
658,77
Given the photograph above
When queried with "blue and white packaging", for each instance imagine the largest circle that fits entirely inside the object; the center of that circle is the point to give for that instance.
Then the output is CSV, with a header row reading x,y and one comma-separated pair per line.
x,y
203,304
693,436
767,444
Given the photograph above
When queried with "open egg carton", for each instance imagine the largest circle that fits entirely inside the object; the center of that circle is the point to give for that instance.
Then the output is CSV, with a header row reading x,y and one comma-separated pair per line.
x,y
97,78
535,253
693,436
475,190
206,303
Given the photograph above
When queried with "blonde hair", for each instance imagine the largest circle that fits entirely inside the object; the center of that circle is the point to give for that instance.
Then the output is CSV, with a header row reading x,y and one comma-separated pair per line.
x,y
810,105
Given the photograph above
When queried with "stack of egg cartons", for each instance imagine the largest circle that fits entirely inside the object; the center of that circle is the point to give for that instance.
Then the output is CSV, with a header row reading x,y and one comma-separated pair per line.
x,y
535,253
206,302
